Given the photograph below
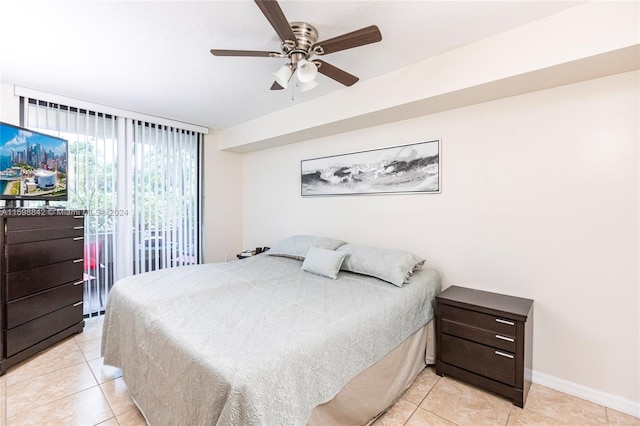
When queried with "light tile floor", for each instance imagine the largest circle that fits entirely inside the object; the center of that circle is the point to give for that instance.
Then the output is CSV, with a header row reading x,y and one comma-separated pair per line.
x,y
69,385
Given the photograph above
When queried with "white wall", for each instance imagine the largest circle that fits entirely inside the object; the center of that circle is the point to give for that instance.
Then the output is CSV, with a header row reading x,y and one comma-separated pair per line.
x,y
540,199
9,105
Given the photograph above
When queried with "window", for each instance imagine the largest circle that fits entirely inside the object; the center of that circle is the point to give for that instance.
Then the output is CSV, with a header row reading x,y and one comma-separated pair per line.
x,y
140,185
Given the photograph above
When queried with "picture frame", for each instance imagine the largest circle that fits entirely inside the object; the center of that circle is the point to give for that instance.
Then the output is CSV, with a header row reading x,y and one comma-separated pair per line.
x,y
403,169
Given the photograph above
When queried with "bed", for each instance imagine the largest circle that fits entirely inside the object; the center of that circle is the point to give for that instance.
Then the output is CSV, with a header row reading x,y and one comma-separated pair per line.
x,y
270,340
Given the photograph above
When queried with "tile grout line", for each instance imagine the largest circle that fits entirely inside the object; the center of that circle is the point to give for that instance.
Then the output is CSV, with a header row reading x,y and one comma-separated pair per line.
x,y
48,372
412,413
5,414
508,416
6,396
17,366
85,361
425,397
115,416
56,400
427,394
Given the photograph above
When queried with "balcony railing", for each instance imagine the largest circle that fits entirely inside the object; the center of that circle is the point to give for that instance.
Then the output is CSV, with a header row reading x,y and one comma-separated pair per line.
x,y
151,251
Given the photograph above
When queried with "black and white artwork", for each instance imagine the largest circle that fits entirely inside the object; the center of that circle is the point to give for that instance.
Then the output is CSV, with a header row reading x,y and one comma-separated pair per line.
x,y
413,168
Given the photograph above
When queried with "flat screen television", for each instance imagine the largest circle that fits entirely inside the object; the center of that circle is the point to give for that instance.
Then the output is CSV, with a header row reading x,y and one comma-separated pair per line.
x,y
33,165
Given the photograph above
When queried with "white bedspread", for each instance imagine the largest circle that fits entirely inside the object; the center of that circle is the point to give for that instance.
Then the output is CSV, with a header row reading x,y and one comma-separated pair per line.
x,y
253,342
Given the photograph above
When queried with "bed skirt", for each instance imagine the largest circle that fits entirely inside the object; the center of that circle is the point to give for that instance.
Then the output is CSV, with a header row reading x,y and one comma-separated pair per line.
x,y
383,383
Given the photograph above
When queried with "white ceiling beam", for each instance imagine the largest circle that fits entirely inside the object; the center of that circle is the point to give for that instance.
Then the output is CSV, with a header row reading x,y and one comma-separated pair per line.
x,y
561,49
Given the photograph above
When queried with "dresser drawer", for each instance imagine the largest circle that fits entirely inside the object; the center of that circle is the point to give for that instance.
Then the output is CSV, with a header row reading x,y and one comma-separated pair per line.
x,y
500,325
31,307
29,281
44,221
479,335
32,332
31,255
43,234
479,359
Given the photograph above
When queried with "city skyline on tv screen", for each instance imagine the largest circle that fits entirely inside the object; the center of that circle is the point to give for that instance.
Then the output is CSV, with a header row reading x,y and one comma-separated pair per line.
x,y
32,164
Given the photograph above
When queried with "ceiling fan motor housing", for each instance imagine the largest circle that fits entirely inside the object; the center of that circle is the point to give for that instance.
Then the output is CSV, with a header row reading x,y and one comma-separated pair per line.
x,y
306,36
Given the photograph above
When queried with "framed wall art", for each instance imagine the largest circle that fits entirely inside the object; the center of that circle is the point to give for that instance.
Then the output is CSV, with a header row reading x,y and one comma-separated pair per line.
x,y
413,168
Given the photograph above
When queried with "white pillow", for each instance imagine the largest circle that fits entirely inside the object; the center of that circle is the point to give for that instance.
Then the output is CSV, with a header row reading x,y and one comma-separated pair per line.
x,y
394,266
323,262
297,246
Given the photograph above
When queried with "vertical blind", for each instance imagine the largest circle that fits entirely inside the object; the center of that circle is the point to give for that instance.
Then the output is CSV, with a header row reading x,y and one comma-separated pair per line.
x,y
139,183
91,185
165,174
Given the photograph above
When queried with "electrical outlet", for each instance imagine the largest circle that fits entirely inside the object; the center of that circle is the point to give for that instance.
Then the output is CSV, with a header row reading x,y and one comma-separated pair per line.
x,y
226,257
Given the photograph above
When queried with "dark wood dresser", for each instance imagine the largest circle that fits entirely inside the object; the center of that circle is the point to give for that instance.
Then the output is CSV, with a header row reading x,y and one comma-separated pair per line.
x,y
485,339
41,280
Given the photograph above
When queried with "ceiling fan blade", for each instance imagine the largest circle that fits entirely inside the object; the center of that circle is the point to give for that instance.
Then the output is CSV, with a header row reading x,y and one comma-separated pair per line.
x,y
336,73
257,53
356,38
275,16
276,86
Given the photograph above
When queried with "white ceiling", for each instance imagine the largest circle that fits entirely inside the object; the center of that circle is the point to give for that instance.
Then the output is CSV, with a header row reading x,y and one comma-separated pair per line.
x,y
153,56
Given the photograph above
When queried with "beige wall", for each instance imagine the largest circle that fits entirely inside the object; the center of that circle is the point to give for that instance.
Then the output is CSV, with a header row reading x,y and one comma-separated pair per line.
x,y
540,199
222,202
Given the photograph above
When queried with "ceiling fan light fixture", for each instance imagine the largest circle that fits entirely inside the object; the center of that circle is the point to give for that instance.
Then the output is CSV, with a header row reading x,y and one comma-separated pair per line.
x,y
308,86
306,71
283,75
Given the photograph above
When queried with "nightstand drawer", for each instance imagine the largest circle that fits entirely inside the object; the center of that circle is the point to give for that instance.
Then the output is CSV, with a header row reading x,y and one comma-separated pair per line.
x,y
503,326
479,335
485,360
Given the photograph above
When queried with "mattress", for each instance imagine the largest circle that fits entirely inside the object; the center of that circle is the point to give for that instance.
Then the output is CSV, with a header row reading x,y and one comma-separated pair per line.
x,y
253,342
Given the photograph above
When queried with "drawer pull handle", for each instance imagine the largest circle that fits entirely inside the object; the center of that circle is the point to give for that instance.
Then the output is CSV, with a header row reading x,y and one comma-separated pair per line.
x,y
504,354
501,321
80,303
78,238
78,227
78,282
78,217
508,339
78,260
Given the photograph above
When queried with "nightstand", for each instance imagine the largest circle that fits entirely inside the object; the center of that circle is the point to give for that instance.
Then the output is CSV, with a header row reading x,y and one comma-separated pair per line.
x,y
485,339
248,253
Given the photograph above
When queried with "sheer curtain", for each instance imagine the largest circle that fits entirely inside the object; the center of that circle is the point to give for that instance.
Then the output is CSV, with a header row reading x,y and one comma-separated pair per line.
x,y
140,185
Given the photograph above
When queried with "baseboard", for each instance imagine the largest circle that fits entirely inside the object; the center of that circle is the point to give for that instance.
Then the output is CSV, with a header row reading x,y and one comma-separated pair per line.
x,y
605,399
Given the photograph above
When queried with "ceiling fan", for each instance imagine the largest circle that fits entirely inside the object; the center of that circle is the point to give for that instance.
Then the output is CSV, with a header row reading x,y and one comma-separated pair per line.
x,y
299,44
